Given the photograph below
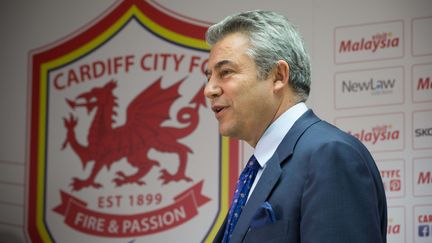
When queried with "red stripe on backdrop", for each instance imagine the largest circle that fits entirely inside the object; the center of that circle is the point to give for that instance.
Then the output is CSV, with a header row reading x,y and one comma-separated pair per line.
x,y
174,24
32,164
174,13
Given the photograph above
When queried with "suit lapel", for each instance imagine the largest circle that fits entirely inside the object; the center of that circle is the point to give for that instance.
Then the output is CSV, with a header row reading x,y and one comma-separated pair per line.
x,y
268,179
271,174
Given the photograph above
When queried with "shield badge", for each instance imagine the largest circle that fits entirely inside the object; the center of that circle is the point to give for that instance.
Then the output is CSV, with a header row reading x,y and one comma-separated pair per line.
x,y
122,145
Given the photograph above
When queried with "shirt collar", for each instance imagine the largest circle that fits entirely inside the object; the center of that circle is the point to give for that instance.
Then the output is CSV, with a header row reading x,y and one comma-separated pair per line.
x,y
274,134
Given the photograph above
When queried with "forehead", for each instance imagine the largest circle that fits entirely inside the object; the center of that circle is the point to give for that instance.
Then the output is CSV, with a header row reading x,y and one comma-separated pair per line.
x,y
231,48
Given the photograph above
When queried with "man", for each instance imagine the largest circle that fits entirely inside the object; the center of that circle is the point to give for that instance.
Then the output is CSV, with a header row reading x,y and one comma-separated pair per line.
x,y
314,183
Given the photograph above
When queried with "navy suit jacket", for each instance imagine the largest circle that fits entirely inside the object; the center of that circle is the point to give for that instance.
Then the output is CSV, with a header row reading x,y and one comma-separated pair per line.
x,y
323,186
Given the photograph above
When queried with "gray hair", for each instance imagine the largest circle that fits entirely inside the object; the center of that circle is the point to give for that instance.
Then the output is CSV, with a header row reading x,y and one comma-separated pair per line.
x,y
272,38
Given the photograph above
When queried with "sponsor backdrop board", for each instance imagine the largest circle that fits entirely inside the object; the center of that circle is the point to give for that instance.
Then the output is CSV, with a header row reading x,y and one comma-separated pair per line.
x,y
106,136
379,63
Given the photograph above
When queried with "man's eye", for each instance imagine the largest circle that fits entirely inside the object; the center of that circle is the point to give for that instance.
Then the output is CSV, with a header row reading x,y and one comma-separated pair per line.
x,y
226,72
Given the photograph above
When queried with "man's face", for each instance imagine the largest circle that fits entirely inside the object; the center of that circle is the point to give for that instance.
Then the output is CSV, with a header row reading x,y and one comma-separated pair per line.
x,y
243,104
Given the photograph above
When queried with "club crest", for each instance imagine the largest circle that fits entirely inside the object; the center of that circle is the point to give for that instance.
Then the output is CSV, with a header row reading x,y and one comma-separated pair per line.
x,y
122,143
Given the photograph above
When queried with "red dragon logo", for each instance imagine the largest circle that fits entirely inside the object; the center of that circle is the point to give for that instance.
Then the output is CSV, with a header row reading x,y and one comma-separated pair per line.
x,y
141,132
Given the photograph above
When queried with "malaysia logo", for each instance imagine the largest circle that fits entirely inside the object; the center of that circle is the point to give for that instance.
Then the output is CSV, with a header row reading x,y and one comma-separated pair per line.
x,y
376,134
396,224
367,42
393,228
383,132
422,177
372,44
424,83
122,144
421,83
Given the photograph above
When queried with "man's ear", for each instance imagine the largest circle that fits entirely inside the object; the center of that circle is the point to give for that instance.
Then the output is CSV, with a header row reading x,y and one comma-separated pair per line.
x,y
281,75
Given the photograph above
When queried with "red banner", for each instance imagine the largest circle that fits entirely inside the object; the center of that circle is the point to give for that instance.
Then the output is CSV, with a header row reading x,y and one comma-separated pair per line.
x,y
85,220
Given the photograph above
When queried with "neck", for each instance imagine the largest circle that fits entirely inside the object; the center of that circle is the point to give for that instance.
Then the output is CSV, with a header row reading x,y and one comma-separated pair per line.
x,y
284,105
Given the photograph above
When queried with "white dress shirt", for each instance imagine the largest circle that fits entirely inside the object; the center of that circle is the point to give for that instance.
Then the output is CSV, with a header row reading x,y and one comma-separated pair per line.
x,y
273,136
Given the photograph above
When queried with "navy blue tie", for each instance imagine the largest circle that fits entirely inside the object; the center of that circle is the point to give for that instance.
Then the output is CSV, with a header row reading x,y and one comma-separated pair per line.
x,y
244,185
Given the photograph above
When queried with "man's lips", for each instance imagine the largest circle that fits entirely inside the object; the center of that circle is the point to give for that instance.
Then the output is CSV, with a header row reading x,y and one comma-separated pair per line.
x,y
218,109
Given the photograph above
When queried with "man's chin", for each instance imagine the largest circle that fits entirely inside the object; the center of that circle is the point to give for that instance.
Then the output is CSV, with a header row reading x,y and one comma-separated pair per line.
x,y
227,131
224,131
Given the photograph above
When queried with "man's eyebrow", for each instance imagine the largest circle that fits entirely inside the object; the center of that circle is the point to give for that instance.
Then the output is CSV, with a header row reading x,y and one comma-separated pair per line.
x,y
218,66
223,62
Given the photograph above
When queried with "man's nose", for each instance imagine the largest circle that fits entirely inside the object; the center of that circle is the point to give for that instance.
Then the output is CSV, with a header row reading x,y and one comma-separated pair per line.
x,y
212,90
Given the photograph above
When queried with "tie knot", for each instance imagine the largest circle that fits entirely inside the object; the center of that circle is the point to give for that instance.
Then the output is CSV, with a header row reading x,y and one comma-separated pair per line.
x,y
253,163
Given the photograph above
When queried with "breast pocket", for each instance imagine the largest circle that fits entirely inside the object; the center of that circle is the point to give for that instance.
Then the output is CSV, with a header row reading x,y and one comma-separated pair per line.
x,y
269,233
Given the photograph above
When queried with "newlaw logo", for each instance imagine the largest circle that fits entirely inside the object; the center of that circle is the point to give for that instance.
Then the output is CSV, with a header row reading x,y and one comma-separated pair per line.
x,y
374,87
367,42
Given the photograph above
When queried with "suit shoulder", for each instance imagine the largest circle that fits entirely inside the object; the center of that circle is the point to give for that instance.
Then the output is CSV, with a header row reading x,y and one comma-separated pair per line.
x,y
322,133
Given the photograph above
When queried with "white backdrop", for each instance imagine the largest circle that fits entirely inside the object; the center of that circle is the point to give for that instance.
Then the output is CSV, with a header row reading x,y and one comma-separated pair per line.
x,y
371,71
